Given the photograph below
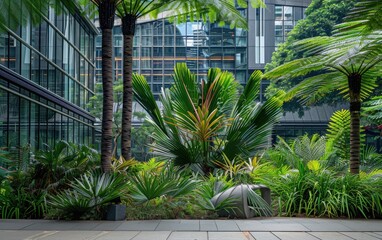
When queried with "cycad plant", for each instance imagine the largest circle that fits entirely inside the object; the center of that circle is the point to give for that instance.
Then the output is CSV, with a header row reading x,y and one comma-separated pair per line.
x,y
199,123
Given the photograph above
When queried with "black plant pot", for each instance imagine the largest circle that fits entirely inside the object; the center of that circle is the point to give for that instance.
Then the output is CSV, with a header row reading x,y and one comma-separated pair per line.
x,y
116,212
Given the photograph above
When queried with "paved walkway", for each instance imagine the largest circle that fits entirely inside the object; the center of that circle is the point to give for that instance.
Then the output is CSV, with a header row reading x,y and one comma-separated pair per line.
x,y
257,228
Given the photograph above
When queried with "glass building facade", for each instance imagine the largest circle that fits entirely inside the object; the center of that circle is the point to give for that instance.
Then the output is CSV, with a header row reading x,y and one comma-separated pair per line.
x,y
46,80
160,44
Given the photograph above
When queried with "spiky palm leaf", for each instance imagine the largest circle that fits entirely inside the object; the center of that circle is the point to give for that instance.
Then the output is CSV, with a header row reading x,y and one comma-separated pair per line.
x,y
200,122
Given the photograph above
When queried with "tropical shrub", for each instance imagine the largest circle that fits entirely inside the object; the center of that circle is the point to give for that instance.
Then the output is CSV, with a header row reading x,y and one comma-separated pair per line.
x,y
200,123
315,191
27,181
87,196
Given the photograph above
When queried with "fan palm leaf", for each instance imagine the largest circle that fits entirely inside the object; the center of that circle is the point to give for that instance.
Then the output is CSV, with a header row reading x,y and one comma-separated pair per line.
x,y
203,122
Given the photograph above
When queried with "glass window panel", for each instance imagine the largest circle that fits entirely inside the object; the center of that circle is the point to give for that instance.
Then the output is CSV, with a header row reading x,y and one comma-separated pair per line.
x,y
52,78
146,29
34,125
25,61
288,13
14,54
158,41
158,27
59,50
168,41
157,52
169,28
146,41
24,122
51,119
3,118
146,52
43,127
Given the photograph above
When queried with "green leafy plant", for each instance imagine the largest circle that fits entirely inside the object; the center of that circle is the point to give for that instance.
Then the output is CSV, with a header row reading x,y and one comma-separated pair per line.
x,y
168,182
200,123
90,192
320,192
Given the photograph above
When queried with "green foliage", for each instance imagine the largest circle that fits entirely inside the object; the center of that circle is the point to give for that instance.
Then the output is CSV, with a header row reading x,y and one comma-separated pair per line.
x,y
141,139
321,17
168,182
301,149
372,111
339,132
61,163
211,186
324,194
19,202
201,123
23,192
89,193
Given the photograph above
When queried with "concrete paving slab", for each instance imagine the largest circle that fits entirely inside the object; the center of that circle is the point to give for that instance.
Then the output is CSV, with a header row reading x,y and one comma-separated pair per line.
x,y
271,226
208,225
157,235
178,225
13,224
116,235
264,236
375,234
63,225
18,234
360,236
229,225
330,236
294,235
107,225
77,235
188,236
326,227
146,225
230,236
363,225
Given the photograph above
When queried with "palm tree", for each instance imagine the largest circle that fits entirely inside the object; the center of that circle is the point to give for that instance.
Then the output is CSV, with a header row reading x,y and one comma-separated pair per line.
x,y
106,12
131,10
201,123
348,63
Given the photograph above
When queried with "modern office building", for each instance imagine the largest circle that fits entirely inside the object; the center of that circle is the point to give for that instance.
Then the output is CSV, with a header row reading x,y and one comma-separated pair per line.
x,y
160,44
46,80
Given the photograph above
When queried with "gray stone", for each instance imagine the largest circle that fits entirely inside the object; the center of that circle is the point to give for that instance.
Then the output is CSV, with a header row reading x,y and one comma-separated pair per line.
x,y
230,236
17,234
264,236
117,235
146,225
157,235
294,235
208,225
360,236
239,196
178,225
330,236
188,236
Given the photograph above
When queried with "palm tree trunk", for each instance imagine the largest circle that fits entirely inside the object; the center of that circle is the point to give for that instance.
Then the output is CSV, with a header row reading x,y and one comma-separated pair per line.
x,y
106,17
128,29
354,81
